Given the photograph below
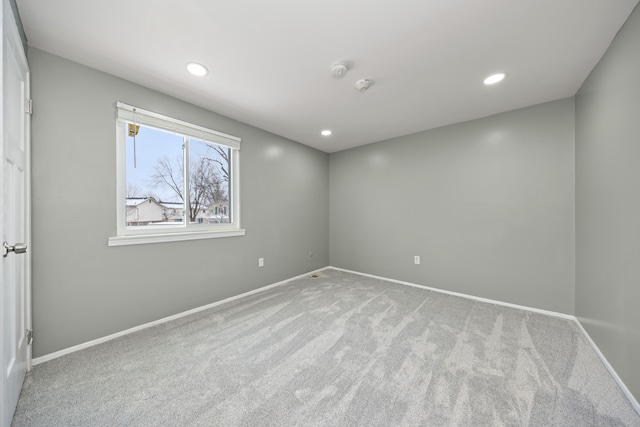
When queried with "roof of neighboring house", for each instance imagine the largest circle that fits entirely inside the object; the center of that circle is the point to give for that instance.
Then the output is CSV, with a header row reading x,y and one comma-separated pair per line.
x,y
172,205
135,201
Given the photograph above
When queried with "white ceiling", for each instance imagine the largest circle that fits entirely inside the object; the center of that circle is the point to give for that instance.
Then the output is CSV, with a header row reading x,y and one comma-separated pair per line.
x,y
269,60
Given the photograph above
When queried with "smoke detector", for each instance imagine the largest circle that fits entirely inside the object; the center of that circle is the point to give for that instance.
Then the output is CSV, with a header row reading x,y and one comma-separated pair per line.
x,y
339,70
363,84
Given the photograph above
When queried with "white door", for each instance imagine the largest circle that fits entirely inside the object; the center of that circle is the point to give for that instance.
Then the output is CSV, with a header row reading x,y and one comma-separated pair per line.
x,y
15,265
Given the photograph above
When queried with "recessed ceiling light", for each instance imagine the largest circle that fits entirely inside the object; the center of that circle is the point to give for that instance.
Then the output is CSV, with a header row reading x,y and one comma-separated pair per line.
x,y
493,79
326,132
197,69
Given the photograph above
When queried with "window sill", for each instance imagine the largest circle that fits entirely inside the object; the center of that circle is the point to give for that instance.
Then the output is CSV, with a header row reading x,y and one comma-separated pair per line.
x,y
141,239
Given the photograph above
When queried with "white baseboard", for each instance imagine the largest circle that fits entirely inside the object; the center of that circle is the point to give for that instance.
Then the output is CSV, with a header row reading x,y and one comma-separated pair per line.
x,y
606,363
97,341
88,344
461,295
612,371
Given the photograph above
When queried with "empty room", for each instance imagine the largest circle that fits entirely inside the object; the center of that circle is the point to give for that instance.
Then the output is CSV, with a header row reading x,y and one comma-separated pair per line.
x,y
305,213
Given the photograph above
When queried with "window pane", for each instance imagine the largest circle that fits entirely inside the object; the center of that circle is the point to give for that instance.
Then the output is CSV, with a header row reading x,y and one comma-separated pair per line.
x,y
154,177
209,166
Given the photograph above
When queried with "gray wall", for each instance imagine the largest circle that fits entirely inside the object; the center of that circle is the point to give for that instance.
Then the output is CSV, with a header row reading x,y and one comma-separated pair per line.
x,y
608,204
487,204
83,289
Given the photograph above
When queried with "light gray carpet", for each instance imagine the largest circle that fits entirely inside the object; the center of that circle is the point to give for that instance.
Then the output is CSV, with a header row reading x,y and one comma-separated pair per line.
x,y
340,350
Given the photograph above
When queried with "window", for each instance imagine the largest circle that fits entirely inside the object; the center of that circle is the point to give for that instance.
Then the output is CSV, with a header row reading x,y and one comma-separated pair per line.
x,y
176,180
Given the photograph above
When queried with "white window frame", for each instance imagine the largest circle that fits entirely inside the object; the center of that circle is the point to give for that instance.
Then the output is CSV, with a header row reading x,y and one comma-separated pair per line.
x,y
132,235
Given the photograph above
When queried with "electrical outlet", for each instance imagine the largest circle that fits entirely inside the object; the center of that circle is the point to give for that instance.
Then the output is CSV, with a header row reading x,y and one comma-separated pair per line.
x,y
260,262
416,259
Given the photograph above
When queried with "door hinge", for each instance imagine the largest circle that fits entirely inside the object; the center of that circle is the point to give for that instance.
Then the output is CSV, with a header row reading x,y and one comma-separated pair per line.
x,y
29,336
29,106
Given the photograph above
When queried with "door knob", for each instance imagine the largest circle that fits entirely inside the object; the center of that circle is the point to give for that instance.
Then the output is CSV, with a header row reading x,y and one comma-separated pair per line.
x,y
18,248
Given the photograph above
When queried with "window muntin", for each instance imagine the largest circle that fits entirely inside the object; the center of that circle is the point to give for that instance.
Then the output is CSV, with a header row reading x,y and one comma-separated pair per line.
x,y
174,177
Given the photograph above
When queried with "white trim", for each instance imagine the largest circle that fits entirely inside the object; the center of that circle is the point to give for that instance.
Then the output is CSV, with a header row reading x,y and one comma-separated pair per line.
x,y
141,239
126,235
69,350
121,179
29,260
617,379
140,116
458,294
612,371
234,214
